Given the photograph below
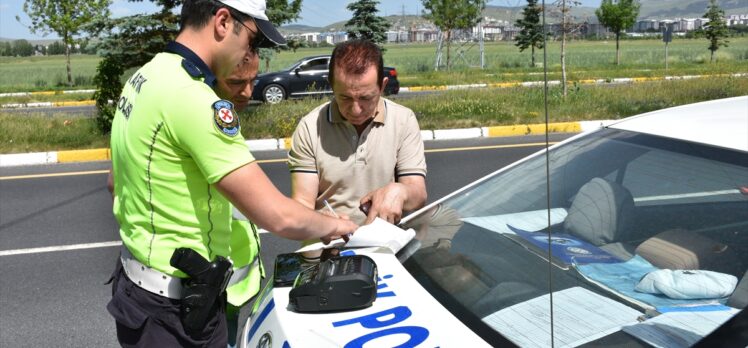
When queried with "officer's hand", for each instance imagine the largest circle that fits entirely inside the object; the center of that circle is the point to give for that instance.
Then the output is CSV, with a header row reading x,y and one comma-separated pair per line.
x,y
344,229
385,203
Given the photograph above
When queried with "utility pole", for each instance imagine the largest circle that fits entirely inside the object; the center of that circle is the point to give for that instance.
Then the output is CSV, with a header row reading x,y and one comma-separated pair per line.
x,y
667,36
482,57
402,21
439,51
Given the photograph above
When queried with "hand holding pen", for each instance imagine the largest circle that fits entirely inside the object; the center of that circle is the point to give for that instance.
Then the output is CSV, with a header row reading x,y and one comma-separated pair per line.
x,y
332,211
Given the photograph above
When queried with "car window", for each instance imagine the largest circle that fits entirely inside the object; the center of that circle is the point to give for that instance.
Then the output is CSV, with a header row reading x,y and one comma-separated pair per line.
x,y
315,64
660,177
522,250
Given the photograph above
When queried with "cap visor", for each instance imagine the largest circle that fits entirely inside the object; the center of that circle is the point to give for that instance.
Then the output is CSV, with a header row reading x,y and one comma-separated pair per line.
x,y
272,36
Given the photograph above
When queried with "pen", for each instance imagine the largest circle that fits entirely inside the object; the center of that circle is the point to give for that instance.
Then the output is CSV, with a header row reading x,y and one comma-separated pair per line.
x,y
332,211
329,207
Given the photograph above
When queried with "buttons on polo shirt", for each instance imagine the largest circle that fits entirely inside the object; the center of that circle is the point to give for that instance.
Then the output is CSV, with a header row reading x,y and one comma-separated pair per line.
x,y
361,155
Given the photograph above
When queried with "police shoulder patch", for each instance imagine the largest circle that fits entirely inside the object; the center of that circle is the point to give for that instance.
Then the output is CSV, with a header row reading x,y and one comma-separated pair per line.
x,y
225,118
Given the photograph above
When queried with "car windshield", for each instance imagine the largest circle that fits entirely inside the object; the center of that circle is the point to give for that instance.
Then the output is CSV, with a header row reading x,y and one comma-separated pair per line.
x,y
292,66
639,227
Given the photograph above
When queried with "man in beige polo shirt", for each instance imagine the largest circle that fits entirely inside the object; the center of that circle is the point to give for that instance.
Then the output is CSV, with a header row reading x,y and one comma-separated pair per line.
x,y
359,150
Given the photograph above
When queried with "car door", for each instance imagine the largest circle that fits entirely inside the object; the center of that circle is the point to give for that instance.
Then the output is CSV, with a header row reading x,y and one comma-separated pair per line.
x,y
310,78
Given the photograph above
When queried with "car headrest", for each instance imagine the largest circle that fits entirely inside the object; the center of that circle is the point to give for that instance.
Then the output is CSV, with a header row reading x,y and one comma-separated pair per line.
x,y
683,249
600,212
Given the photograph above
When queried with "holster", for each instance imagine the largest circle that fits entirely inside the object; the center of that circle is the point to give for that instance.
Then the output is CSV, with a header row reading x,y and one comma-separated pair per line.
x,y
205,283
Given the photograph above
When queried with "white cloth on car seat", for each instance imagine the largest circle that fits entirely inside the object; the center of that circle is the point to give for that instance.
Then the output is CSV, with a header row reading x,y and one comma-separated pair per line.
x,y
688,284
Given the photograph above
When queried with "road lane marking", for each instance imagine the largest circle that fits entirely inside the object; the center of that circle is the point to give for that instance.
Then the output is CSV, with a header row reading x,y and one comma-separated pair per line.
x,y
119,243
487,147
59,248
281,160
37,176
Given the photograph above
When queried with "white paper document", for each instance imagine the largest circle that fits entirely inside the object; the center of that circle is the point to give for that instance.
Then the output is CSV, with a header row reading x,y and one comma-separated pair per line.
x,y
579,316
379,233
528,221
679,329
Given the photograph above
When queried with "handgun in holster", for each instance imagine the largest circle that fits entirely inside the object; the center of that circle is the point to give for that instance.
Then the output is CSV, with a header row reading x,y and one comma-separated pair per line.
x,y
207,281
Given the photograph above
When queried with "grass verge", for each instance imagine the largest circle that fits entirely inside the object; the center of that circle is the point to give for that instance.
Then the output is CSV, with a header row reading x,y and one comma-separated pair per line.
x,y
450,109
415,63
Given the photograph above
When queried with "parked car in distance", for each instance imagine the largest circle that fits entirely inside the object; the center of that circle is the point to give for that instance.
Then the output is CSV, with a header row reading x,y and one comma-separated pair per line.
x,y
631,235
307,77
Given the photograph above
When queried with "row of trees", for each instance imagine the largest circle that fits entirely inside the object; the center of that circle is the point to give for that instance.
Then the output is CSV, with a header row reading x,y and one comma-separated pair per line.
x,y
616,15
23,48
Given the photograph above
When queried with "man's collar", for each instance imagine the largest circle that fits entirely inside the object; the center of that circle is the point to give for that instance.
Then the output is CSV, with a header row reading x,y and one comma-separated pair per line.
x,y
334,115
192,63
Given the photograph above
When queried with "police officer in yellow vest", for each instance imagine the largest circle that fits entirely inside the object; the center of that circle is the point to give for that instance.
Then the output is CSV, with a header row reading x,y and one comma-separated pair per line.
x,y
178,164
245,242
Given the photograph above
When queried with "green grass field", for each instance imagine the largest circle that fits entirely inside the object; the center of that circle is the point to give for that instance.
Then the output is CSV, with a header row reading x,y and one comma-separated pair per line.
x,y
415,63
45,73
451,109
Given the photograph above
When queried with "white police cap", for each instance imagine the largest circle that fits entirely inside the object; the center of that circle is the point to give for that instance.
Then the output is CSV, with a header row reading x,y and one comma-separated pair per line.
x,y
256,10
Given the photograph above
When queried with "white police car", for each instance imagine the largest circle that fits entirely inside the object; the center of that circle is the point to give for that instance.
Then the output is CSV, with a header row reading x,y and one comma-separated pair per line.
x,y
635,234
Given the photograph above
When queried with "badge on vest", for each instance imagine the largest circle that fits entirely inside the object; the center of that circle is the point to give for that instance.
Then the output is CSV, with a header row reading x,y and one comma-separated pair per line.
x,y
226,121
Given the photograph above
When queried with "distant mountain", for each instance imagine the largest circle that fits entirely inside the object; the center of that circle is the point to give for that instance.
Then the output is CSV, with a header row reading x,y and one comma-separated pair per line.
x,y
298,28
511,14
661,9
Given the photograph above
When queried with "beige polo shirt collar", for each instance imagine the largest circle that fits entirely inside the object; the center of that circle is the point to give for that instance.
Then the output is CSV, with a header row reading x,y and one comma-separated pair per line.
x,y
334,115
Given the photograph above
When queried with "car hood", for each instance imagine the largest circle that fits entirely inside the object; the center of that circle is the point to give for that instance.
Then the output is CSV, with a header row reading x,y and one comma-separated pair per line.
x,y
403,314
271,74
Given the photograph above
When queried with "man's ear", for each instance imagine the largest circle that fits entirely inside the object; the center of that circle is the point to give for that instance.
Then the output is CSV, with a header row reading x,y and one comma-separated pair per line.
x,y
222,23
384,84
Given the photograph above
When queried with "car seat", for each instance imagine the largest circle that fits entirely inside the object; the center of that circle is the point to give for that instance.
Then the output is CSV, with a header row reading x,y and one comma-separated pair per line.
x,y
739,297
601,213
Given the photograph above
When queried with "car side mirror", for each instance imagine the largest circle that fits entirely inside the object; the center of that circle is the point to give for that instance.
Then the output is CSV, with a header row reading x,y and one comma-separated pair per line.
x,y
296,71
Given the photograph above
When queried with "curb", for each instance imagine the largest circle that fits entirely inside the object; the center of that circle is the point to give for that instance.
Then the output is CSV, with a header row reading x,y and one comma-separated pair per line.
x,y
614,81
24,94
48,104
70,156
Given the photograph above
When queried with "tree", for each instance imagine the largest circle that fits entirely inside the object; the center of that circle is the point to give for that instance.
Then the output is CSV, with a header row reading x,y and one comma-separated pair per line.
x,y
279,12
295,43
365,24
564,8
531,30
618,16
716,30
7,49
22,48
56,48
66,18
449,15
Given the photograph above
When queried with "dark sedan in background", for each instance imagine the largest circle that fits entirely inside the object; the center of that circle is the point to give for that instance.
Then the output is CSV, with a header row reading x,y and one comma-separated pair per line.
x,y
307,77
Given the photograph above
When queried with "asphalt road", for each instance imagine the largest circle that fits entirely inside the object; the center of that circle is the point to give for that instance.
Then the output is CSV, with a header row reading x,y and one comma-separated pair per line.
x,y
49,295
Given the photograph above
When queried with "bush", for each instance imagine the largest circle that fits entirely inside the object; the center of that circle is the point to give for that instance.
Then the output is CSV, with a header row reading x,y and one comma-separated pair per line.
x,y
108,88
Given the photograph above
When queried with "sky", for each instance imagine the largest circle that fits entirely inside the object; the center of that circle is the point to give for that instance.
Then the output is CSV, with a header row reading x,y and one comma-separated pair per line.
x,y
316,13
